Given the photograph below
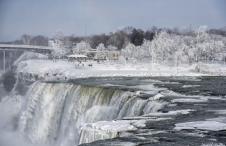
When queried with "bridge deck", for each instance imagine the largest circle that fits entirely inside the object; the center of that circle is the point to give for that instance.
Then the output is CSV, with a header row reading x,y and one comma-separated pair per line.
x,y
33,48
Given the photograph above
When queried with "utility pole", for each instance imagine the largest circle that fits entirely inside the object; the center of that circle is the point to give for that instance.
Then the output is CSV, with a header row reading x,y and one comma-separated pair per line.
x,y
4,62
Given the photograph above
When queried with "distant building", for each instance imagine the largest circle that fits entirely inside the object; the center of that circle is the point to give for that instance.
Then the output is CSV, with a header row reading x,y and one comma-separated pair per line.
x,y
77,57
107,55
55,43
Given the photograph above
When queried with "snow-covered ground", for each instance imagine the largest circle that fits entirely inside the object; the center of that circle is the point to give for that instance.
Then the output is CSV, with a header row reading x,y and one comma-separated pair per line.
x,y
62,69
29,55
39,66
211,69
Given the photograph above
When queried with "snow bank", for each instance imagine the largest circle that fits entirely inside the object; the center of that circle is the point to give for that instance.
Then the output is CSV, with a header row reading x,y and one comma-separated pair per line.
x,y
211,69
105,130
181,98
213,144
63,70
210,124
28,56
189,100
170,113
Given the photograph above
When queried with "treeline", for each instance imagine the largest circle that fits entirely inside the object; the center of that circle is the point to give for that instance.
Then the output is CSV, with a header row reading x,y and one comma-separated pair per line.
x,y
119,39
176,49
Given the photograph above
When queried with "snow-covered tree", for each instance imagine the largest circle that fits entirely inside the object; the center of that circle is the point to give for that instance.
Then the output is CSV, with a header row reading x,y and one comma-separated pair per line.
x,y
101,51
111,48
101,47
58,53
170,48
164,46
129,51
81,47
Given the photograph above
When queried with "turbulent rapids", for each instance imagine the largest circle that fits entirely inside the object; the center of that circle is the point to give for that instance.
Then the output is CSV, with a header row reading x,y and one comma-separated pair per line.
x,y
55,113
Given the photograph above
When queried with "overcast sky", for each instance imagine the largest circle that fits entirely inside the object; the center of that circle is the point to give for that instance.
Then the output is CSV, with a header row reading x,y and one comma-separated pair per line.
x,y
46,17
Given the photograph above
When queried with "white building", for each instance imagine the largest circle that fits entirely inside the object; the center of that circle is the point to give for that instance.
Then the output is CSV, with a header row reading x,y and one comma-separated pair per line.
x,y
78,57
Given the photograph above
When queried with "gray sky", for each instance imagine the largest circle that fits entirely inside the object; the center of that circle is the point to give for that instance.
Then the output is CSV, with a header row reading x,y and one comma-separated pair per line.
x,y
46,17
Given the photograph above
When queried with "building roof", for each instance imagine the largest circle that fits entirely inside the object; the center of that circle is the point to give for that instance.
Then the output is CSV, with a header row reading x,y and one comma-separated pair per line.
x,y
77,56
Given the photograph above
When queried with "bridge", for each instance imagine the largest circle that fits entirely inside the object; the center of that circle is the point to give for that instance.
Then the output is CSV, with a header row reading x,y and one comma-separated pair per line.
x,y
32,48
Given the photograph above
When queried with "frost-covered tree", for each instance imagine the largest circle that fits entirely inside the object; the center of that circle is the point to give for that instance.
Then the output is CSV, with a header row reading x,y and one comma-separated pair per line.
x,y
101,47
129,51
206,45
100,51
111,48
163,47
26,39
58,53
81,47
172,48
144,51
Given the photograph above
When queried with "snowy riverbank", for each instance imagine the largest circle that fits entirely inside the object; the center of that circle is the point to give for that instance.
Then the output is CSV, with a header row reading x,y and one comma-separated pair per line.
x,y
64,70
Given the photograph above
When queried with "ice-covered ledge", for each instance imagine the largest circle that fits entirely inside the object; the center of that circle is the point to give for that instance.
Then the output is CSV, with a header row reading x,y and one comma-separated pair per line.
x,y
107,129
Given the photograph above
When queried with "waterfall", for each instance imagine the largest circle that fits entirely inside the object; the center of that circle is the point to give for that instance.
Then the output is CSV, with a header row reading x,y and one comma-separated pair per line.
x,y
55,112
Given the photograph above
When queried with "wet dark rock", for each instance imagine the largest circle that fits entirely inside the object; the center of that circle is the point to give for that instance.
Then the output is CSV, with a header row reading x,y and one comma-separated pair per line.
x,y
9,80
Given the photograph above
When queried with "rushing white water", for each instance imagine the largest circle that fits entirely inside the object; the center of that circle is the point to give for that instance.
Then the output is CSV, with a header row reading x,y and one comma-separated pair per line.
x,y
54,113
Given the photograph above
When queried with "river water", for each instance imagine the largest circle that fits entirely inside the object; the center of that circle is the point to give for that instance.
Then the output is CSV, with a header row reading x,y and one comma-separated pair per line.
x,y
133,111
